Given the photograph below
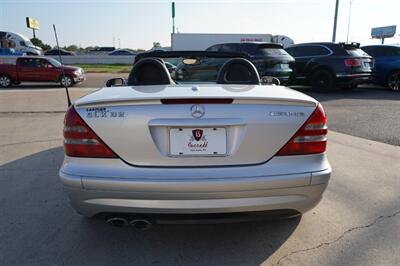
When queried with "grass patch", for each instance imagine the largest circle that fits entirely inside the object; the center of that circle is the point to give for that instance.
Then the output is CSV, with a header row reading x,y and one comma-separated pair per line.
x,y
90,68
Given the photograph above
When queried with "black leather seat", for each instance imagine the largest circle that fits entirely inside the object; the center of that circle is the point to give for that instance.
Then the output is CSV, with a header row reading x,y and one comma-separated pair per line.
x,y
149,71
238,71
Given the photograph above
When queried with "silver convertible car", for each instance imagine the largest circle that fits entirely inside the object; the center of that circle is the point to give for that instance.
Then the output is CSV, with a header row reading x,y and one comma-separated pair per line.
x,y
205,141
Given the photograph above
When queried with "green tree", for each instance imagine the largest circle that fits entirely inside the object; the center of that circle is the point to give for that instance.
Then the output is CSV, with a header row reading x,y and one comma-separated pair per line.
x,y
39,43
72,48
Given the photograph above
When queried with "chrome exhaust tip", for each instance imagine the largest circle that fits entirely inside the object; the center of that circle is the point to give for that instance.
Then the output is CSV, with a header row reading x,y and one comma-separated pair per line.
x,y
141,224
118,221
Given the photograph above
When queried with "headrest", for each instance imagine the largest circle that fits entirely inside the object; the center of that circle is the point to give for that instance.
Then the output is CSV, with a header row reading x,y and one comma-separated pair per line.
x,y
238,71
149,71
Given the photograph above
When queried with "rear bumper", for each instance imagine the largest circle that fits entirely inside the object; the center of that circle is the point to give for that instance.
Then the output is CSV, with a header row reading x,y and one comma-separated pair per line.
x,y
354,79
91,195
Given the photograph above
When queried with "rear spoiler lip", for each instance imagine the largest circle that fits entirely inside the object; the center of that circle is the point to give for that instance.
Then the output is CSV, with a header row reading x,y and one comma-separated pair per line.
x,y
355,45
241,100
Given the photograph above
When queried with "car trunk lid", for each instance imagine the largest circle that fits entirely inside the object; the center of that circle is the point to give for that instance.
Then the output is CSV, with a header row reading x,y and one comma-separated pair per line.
x,y
159,125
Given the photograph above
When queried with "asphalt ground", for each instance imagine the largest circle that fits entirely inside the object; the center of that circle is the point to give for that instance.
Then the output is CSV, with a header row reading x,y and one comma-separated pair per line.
x,y
356,223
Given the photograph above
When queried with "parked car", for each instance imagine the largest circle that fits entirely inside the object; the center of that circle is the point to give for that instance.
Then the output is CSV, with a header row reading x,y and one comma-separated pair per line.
x,y
101,50
122,52
62,52
39,69
387,64
10,52
325,65
270,59
153,151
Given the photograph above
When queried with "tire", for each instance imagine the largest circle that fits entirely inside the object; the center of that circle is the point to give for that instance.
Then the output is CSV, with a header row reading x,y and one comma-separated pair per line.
x,y
66,81
5,81
393,81
322,81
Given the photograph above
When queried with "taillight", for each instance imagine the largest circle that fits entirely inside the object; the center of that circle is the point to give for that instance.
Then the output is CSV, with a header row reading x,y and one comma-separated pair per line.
x,y
310,138
352,62
80,140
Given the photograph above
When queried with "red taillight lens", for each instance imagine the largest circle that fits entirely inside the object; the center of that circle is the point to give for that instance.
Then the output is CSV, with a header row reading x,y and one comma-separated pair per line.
x,y
310,138
80,140
353,62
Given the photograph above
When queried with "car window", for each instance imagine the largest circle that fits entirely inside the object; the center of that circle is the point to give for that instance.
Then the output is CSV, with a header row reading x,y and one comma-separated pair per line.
x,y
370,50
272,51
229,47
383,51
28,62
214,48
42,63
312,50
356,52
22,43
54,62
293,51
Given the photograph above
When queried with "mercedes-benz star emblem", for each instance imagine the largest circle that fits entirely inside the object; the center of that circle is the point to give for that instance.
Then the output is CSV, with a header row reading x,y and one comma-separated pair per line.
x,y
197,111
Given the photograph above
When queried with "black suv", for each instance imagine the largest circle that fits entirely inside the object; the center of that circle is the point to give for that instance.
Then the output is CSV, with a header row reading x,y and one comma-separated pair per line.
x,y
270,59
325,65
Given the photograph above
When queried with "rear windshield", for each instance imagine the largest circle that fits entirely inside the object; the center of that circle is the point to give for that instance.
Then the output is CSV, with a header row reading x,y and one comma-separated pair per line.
x,y
356,52
273,51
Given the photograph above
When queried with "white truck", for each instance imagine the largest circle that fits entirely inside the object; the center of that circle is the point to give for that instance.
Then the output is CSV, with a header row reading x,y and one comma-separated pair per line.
x,y
19,43
201,41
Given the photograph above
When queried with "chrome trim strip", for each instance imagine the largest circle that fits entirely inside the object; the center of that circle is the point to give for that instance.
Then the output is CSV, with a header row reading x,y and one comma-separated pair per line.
x,y
301,139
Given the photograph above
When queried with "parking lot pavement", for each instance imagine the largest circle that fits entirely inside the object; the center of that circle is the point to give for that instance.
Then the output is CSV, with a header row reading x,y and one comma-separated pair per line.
x,y
357,222
368,112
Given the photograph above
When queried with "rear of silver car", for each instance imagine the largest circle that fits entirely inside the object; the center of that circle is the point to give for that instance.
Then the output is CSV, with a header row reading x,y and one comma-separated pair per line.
x,y
169,154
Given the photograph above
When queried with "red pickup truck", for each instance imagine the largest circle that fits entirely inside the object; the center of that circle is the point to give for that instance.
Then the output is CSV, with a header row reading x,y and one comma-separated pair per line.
x,y
39,69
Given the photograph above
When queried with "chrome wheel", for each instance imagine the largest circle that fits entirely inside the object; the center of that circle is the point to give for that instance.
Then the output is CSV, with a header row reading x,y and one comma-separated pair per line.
x,y
5,81
394,81
66,81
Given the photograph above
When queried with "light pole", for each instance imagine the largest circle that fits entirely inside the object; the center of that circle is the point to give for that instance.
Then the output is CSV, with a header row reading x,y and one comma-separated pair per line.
x,y
348,22
173,17
335,21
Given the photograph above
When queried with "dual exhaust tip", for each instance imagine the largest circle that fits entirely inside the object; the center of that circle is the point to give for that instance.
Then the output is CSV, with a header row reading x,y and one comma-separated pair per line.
x,y
140,224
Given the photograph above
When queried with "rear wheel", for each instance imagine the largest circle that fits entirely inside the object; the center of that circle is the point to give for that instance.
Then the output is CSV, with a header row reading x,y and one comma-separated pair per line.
x,y
66,81
393,81
322,80
5,81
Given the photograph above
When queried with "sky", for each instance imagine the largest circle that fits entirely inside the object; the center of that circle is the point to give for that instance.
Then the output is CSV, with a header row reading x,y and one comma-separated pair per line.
x,y
137,24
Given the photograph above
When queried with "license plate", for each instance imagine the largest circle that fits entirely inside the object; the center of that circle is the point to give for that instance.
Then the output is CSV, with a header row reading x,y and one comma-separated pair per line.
x,y
197,142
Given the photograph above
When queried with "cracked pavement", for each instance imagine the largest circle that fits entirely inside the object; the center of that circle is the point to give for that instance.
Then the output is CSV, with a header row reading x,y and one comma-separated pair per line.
x,y
356,223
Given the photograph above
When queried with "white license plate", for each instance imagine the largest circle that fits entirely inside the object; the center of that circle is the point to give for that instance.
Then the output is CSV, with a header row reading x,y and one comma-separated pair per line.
x,y
197,141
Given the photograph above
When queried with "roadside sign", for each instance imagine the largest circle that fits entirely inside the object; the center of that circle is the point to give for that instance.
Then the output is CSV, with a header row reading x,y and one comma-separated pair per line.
x,y
383,32
173,9
32,23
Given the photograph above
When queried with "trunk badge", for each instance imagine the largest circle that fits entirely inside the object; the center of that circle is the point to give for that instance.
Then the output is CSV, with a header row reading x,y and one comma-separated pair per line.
x,y
197,134
197,111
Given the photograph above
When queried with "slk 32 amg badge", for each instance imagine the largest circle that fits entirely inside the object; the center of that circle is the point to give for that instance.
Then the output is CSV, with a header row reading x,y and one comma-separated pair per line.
x,y
103,112
296,114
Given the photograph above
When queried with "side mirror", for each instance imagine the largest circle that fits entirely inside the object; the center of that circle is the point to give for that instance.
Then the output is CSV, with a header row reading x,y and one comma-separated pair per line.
x,y
115,82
